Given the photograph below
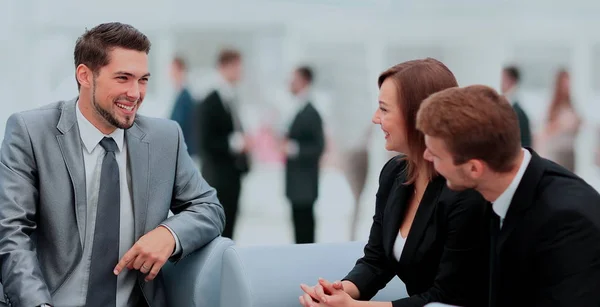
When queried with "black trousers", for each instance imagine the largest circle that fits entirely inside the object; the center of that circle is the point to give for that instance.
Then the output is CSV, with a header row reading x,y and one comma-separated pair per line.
x,y
304,222
229,198
228,188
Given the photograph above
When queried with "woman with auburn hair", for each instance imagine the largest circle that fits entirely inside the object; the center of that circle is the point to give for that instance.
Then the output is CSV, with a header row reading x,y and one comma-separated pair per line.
x,y
434,239
557,142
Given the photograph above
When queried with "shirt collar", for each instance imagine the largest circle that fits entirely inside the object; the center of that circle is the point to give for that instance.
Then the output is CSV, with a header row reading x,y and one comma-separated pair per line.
x,y
225,89
512,94
91,136
502,203
302,98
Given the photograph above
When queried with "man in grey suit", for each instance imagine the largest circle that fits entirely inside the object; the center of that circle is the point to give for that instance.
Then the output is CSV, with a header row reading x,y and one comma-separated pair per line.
x,y
86,187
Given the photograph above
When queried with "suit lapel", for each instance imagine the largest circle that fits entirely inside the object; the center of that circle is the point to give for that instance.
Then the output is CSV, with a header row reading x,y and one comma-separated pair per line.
x,y
69,142
298,118
226,108
392,217
139,162
421,220
523,199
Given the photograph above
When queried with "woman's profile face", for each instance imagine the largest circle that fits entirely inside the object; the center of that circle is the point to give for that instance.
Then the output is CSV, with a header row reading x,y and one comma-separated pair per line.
x,y
390,118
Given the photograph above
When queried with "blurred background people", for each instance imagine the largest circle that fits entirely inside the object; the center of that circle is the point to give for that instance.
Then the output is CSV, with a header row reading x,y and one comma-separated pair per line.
x,y
510,89
183,109
355,165
303,147
557,140
222,143
348,50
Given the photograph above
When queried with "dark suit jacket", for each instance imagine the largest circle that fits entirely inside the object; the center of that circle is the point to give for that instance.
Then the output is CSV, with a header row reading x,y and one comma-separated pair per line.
x,y
183,114
220,165
549,245
526,139
302,171
445,255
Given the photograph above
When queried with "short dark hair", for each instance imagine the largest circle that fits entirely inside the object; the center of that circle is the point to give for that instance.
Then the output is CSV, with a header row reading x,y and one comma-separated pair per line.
x,y
228,56
415,80
92,48
180,62
306,73
475,122
513,72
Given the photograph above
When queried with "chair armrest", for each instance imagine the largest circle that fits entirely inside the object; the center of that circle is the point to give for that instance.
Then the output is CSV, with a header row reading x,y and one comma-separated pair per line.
x,y
196,279
271,275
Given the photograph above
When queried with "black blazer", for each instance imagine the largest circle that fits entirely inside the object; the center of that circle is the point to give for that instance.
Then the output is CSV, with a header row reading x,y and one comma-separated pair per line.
x,y
445,255
302,171
549,245
524,127
214,125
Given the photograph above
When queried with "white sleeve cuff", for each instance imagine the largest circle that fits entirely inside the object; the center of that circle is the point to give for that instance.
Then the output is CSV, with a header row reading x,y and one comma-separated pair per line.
x,y
177,244
236,142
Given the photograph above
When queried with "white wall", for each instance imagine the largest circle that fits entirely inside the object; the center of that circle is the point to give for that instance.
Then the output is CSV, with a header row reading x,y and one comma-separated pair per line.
x,y
474,38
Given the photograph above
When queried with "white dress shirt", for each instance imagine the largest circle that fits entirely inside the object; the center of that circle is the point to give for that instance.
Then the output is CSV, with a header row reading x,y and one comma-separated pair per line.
x,y
512,95
228,96
300,101
74,291
502,203
399,246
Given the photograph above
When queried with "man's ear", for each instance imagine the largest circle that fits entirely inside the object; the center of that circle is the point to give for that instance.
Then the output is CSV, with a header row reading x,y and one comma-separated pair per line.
x,y
84,75
475,168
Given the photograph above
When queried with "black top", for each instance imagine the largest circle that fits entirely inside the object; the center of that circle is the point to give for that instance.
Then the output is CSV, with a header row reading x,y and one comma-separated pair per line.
x,y
445,257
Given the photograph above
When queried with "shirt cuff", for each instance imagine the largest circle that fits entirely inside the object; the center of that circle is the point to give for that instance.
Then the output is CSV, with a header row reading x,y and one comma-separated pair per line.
x,y
236,142
292,149
177,244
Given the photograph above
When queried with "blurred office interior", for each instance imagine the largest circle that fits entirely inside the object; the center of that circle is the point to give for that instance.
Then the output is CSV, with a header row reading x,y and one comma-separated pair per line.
x,y
347,43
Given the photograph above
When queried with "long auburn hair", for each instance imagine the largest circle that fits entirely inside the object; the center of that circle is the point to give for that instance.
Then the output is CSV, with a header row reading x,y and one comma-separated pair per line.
x,y
415,80
561,97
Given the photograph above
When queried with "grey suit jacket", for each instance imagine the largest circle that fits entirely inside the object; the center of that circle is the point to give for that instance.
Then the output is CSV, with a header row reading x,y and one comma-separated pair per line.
x,y
43,198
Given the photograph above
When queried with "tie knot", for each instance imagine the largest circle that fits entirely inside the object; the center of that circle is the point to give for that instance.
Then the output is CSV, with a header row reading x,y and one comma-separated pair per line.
x,y
108,144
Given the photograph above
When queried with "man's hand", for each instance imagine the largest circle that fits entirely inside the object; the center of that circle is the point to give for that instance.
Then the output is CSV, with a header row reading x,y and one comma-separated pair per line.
x,y
289,148
248,144
149,253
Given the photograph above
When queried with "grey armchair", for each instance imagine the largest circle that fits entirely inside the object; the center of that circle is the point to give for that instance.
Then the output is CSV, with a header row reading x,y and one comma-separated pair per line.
x,y
268,276
195,281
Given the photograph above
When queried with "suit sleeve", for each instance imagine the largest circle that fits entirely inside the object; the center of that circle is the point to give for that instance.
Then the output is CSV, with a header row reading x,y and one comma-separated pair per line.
x,y
184,115
178,113
208,140
567,261
22,277
312,145
198,216
372,272
526,139
461,277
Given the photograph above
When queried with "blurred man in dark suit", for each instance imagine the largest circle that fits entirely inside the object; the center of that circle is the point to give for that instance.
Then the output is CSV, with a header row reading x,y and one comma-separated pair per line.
x,y
303,148
183,109
222,145
510,85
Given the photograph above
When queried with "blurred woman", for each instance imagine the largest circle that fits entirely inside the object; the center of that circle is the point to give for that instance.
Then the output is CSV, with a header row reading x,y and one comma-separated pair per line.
x,y
557,142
